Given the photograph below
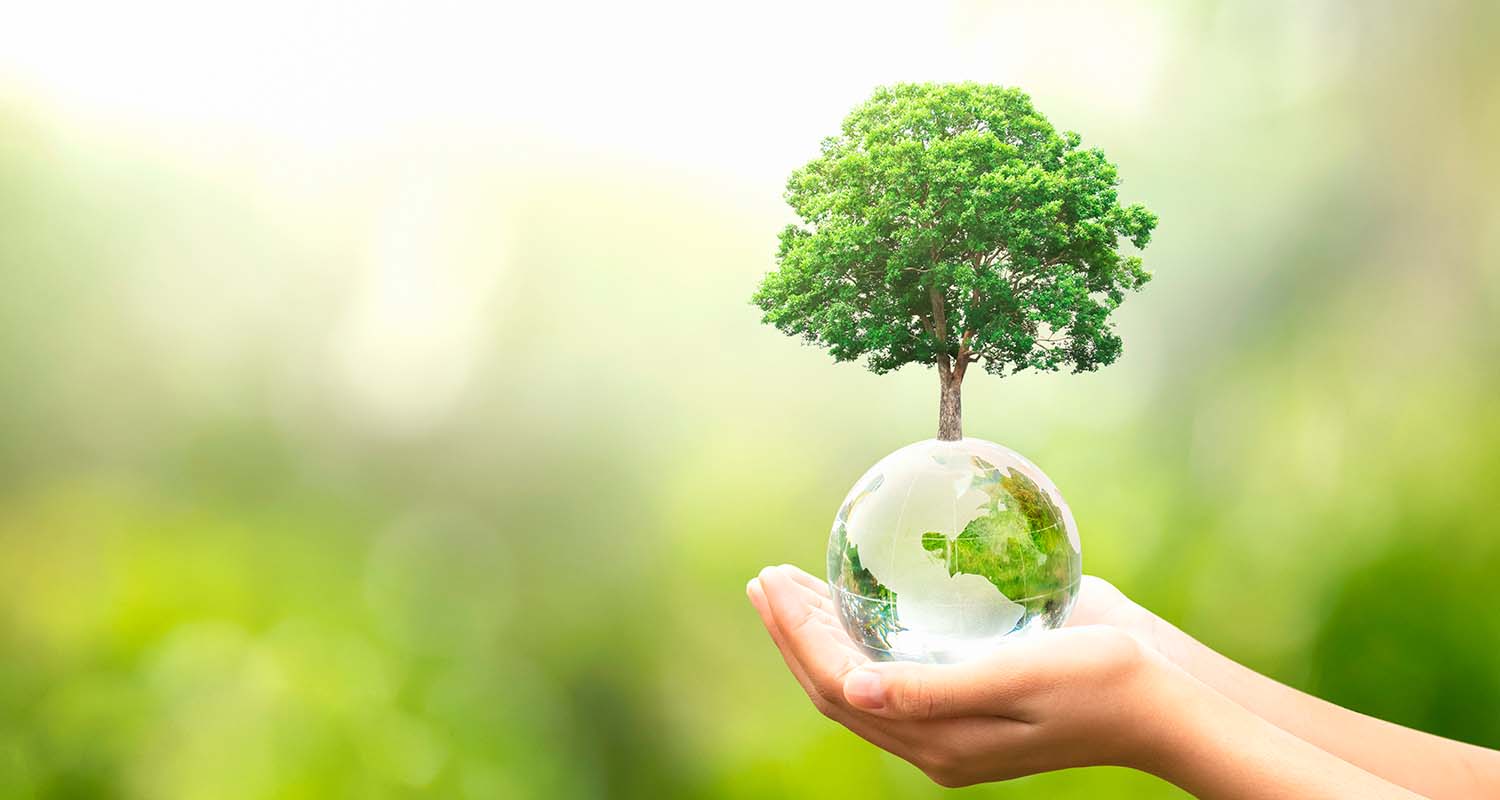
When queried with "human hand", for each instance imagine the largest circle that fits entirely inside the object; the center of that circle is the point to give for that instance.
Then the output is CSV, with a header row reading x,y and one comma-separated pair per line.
x,y
1083,695
1100,603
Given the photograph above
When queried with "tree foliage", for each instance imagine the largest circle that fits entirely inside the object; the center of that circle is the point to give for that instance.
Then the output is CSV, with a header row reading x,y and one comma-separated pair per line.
x,y
949,224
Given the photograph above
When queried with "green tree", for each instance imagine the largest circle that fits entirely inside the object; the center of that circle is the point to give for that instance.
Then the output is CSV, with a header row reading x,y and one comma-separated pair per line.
x,y
949,224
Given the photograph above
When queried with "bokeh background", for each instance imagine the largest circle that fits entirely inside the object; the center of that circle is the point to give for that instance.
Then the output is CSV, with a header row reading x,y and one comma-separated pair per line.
x,y
382,411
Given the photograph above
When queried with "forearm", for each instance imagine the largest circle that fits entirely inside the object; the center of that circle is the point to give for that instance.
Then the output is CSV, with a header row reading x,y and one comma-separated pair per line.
x,y
1434,766
1214,748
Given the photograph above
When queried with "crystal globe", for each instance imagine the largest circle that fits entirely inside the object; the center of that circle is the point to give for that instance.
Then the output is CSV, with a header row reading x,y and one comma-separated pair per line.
x,y
945,548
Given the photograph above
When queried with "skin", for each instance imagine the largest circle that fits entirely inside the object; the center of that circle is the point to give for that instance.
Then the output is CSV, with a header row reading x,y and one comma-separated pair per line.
x,y
1098,692
1430,765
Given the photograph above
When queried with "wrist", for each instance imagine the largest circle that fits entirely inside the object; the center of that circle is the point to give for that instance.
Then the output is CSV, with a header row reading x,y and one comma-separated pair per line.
x,y
1146,700
1209,746
1171,712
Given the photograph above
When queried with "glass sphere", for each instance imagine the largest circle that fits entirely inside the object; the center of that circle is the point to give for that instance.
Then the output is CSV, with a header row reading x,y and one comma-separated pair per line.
x,y
945,548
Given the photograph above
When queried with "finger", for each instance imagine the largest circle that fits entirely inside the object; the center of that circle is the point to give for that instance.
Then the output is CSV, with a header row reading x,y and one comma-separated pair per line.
x,y
1099,602
817,603
815,640
917,741
818,585
757,597
814,603
872,729
998,684
827,616
814,592
920,742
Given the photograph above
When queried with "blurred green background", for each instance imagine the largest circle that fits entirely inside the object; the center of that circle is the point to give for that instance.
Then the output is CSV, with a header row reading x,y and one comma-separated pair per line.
x,y
382,411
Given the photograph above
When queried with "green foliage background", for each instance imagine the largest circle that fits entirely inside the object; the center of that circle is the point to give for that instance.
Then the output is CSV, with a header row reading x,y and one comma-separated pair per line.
x,y
271,527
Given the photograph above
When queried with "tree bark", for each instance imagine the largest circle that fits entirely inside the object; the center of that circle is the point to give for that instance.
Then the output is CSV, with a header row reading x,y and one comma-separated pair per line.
x,y
950,406
950,372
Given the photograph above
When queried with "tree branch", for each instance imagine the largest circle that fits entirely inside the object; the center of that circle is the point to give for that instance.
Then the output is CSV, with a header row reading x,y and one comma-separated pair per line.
x,y
939,314
940,322
964,355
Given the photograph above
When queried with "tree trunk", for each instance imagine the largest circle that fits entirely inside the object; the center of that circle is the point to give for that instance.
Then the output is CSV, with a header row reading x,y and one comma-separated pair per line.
x,y
950,406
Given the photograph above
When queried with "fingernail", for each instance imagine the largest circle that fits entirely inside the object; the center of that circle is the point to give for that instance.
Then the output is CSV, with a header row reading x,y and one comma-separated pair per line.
x,y
862,687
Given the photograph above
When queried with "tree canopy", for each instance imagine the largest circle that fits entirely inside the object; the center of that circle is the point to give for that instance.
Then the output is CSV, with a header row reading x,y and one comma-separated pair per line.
x,y
948,224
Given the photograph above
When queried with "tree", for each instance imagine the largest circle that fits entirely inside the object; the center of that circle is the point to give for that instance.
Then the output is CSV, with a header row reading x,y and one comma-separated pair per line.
x,y
949,224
